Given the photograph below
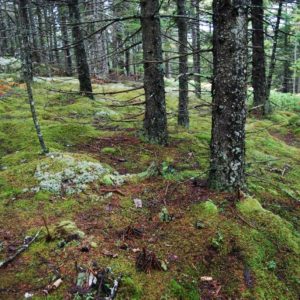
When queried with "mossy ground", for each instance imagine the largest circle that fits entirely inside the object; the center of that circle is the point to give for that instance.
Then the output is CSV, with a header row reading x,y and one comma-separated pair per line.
x,y
250,248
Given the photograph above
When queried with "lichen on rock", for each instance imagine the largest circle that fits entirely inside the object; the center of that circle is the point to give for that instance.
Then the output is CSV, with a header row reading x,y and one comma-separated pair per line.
x,y
66,174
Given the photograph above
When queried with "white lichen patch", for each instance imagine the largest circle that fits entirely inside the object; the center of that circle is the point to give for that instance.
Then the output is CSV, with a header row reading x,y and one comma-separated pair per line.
x,y
65,174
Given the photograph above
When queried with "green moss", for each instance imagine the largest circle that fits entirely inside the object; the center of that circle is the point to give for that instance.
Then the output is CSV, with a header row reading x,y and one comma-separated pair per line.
x,y
109,150
205,210
42,196
279,230
249,205
67,230
107,180
130,289
184,292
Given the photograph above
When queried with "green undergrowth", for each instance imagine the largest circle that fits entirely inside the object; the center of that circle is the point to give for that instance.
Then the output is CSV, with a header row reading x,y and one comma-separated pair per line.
x,y
249,248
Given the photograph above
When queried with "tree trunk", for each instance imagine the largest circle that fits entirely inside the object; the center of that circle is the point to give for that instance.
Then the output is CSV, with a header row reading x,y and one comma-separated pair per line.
x,y
65,40
196,49
273,57
287,74
183,112
258,58
33,33
80,53
53,10
155,123
127,62
26,66
227,163
26,47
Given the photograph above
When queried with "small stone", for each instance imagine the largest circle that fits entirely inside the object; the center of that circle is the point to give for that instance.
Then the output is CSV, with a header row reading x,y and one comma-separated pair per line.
x,y
206,278
138,203
28,295
199,224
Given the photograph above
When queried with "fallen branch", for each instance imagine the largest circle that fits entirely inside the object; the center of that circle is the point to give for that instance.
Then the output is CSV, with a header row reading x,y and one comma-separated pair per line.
x,y
114,289
24,247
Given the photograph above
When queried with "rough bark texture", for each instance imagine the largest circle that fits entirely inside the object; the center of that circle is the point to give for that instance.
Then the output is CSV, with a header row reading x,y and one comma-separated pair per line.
x,y
258,58
26,67
26,53
196,48
155,123
227,165
183,112
80,53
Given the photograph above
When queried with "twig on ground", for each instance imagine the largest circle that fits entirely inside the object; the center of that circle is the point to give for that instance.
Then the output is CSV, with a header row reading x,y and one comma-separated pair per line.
x,y
24,247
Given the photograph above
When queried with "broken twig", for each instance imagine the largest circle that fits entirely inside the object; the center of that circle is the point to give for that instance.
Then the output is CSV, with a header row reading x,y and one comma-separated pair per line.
x,y
26,244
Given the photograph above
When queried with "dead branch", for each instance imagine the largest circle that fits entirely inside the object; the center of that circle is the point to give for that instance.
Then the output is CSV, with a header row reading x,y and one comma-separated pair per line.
x,y
24,247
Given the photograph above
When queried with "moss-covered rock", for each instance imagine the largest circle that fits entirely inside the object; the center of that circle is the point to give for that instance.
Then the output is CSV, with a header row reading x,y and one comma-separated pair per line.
x,y
67,230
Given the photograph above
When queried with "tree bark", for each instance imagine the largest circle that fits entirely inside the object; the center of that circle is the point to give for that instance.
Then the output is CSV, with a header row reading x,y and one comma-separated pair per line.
x,y
26,67
80,53
258,58
183,112
196,49
33,34
155,122
227,161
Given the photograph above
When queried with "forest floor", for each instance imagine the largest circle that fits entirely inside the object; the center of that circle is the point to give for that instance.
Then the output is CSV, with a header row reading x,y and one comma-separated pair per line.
x,y
198,244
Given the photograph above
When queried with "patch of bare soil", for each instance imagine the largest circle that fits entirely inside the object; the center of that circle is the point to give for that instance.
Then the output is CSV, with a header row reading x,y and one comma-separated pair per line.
x,y
289,138
131,155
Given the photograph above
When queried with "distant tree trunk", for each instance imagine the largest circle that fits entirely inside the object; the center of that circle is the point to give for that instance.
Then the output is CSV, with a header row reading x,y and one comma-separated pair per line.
x,y
155,123
196,49
183,111
26,47
227,163
273,55
80,53
26,66
167,65
287,74
65,40
117,41
296,79
33,34
48,41
258,58
53,10
127,62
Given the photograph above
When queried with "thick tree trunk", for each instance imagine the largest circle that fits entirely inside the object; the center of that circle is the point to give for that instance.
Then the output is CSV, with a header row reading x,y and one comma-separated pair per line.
x,y
273,57
196,49
80,53
258,58
227,164
26,66
183,112
65,40
155,123
3,35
